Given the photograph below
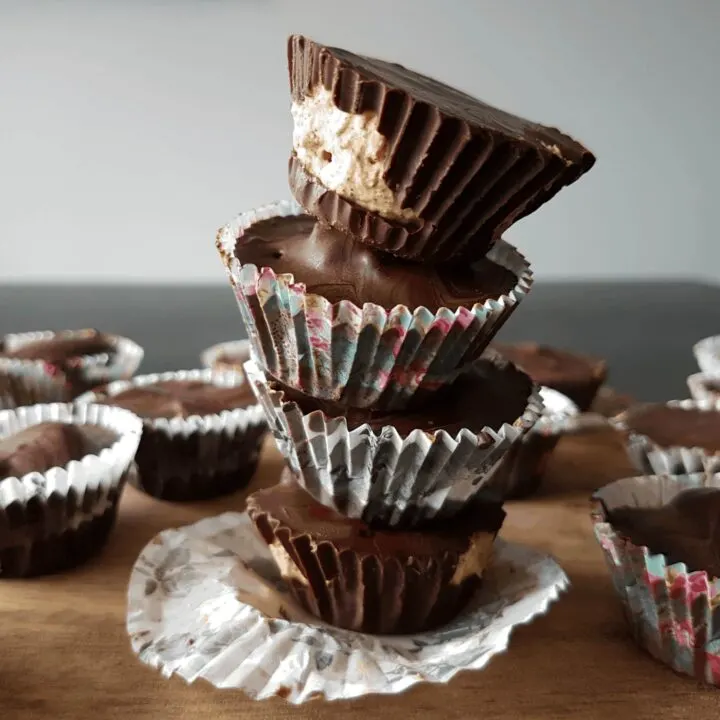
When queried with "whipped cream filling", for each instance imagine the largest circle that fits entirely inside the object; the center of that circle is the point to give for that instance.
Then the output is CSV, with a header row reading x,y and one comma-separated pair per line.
x,y
346,152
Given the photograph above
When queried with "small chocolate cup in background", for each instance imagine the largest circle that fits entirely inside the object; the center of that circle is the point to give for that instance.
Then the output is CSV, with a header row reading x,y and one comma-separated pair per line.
x,y
198,457
705,387
672,613
360,356
707,354
383,477
230,355
54,521
28,382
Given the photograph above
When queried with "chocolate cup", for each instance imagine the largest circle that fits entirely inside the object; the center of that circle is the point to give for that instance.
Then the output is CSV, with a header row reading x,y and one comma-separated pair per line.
x,y
199,457
380,594
466,171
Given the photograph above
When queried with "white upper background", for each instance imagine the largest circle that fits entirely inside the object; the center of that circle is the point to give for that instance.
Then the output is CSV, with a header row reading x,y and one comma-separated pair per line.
x,y
131,129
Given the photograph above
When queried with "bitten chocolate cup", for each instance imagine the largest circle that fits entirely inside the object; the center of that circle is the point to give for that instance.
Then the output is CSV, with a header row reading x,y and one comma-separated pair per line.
x,y
33,371
357,578
57,519
395,470
410,165
187,457
360,355
673,611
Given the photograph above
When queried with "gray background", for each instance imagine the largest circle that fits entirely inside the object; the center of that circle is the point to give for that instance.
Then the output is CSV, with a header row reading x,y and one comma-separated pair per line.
x,y
130,130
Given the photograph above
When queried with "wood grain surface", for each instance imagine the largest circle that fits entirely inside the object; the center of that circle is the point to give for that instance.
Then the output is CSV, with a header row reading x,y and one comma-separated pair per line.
x,y
65,653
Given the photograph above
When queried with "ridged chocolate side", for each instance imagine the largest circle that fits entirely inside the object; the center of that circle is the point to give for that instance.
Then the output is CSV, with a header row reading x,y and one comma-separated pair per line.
x,y
466,169
369,594
45,536
198,466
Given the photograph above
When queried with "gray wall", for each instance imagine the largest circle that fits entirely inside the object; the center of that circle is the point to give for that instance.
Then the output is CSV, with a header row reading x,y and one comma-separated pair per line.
x,y
131,129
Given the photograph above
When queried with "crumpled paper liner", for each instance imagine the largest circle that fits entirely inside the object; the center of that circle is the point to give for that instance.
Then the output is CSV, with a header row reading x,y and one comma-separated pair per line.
x,y
383,477
365,356
214,356
707,354
698,386
206,602
28,382
673,613
56,520
527,459
650,458
198,457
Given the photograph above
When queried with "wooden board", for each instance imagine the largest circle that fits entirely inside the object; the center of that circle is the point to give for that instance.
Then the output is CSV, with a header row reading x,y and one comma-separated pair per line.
x,y
65,653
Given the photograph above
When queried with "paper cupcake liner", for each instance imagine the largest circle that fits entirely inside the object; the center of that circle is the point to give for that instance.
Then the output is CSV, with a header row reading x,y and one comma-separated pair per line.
x,y
704,387
526,461
707,354
205,602
383,477
650,458
198,457
359,356
459,188
56,520
28,382
216,357
674,614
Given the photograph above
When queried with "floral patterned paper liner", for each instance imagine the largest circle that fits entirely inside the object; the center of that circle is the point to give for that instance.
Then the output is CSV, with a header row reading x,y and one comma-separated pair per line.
x,y
698,386
37,381
650,458
673,614
192,612
210,357
383,476
707,354
360,356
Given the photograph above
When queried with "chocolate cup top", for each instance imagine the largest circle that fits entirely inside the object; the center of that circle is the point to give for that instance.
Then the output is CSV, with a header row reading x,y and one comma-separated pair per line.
x,y
61,349
338,268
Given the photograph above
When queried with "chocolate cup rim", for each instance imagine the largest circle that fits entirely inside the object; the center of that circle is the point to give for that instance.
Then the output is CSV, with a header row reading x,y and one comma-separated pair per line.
x,y
125,424
210,355
228,236
250,415
524,423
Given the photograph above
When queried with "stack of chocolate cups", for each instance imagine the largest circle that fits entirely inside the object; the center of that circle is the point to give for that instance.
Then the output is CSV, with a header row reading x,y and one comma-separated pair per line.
x,y
369,303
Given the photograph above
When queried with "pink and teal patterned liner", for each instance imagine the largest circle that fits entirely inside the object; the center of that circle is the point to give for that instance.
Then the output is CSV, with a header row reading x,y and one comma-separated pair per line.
x,y
673,614
360,356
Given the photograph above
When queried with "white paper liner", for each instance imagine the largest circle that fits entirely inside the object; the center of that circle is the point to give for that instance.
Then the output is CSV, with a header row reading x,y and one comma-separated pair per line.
x,y
363,356
698,384
652,459
383,476
237,349
192,602
206,468
36,381
707,354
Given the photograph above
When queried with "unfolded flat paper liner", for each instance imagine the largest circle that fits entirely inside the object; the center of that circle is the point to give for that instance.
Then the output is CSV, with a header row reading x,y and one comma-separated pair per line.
x,y
214,356
384,477
196,457
527,459
650,458
206,602
707,354
28,382
674,614
698,384
365,356
465,187
55,520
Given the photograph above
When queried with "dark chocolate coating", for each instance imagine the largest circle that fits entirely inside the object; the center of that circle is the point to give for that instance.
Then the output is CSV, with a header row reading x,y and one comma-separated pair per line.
x,y
675,426
576,376
46,445
340,268
367,580
488,394
60,349
687,529
180,398
468,170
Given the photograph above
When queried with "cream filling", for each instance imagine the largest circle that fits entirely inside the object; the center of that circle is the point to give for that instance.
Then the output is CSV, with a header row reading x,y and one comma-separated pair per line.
x,y
346,152
475,559
286,565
